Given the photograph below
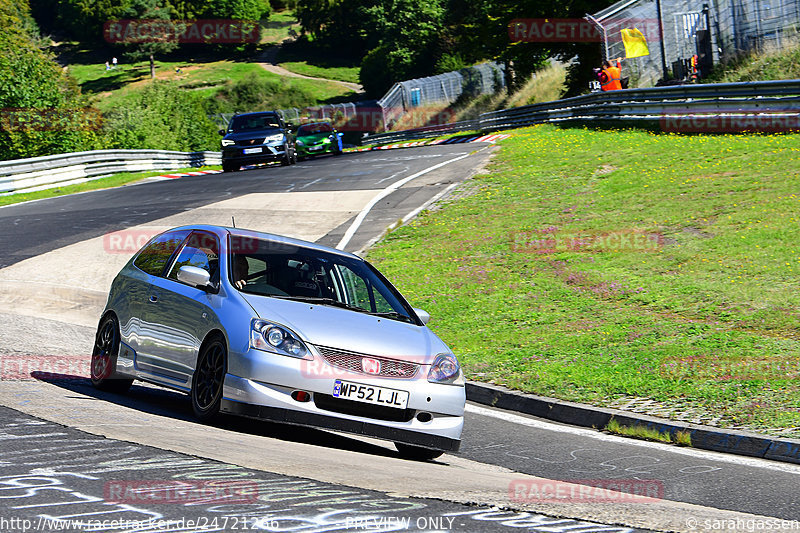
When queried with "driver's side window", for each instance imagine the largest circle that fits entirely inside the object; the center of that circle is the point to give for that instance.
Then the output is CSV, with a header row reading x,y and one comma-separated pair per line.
x,y
201,250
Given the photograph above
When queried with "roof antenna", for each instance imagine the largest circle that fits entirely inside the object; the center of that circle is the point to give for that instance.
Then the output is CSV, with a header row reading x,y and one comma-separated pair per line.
x,y
233,221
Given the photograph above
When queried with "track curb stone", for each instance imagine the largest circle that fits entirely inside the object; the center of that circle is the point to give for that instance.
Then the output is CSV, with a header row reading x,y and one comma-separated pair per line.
x,y
576,414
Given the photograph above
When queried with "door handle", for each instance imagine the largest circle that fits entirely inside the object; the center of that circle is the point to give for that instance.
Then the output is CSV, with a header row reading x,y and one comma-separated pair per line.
x,y
153,298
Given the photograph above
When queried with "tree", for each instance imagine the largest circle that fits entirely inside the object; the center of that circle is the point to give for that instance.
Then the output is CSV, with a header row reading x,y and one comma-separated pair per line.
x,y
237,9
80,20
160,38
42,109
409,31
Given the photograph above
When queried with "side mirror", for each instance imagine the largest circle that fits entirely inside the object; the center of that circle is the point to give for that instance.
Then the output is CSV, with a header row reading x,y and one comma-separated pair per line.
x,y
423,315
194,276
222,132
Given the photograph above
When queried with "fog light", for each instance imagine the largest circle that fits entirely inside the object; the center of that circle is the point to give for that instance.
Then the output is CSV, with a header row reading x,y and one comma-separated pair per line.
x,y
301,396
424,417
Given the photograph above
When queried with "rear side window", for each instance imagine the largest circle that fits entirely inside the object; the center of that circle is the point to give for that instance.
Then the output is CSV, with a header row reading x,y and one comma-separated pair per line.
x,y
202,251
153,257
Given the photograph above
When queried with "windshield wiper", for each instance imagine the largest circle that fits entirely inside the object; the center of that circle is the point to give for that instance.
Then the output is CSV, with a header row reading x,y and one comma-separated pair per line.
x,y
336,303
323,301
395,315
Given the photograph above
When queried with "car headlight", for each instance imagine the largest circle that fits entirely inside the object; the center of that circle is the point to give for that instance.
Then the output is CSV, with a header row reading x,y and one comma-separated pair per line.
x,y
270,337
227,142
299,143
445,369
277,138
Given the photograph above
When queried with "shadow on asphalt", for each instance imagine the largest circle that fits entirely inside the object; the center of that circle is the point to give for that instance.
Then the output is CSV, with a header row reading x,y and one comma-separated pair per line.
x,y
172,404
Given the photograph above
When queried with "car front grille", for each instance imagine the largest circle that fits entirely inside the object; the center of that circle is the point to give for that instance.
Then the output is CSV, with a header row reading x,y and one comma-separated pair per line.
x,y
351,361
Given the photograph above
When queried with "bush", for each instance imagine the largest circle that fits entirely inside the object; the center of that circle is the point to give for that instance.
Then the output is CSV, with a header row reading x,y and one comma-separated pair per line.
x,y
162,118
255,93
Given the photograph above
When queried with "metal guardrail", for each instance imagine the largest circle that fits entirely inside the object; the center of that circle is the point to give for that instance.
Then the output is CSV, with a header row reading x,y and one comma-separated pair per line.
x,y
39,172
776,104
418,133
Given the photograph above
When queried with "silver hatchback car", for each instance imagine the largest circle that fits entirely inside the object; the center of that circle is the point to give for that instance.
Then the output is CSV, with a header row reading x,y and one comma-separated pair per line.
x,y
276,328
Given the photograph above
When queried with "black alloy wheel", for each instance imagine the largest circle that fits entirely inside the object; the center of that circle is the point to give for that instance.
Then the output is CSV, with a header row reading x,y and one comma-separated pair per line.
x,y
104,358
208,379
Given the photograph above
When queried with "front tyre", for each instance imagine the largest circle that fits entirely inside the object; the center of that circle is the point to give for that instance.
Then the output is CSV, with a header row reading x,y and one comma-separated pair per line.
x,y
229,167
208,379
416,453
104,358
286,160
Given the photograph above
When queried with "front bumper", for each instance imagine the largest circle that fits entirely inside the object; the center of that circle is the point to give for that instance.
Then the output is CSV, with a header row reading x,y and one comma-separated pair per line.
x,y
269,152
319,149
434,417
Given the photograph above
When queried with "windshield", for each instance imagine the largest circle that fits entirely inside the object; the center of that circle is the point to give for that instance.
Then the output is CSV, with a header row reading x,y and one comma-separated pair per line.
x,y
290,272
311,129
254,122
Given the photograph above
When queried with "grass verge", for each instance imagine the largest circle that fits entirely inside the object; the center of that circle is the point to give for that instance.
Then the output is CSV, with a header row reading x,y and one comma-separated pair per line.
x,y
108,182
681,438
596,265
769,64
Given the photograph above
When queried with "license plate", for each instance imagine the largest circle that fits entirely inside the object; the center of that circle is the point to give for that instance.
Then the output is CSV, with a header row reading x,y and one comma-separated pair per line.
x,y
312,148
358,392
252,150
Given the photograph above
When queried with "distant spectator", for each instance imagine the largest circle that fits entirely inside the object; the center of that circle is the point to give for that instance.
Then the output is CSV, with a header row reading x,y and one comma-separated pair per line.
x,y
114,62
108,67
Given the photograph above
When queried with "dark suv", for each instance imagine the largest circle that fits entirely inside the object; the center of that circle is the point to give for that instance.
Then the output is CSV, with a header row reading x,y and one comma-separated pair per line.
x,y
259,137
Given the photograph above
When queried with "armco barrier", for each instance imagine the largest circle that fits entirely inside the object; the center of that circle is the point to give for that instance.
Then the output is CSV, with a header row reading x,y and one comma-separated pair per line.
x,y
22,174
418,133
722,107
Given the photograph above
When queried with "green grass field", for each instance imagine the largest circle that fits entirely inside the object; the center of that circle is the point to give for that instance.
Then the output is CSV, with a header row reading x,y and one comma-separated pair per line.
x,y
303,57
593,265
277,28
111,89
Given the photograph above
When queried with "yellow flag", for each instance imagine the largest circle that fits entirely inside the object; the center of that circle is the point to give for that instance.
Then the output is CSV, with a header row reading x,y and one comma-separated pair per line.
x,y
635,43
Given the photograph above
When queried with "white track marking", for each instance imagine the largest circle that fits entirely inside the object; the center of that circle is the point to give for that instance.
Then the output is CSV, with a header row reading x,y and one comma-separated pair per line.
x,y
387,178
584,432
383,194
311,183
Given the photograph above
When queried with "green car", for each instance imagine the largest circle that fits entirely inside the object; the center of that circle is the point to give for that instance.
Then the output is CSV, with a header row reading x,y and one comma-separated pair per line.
x,y
317,138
